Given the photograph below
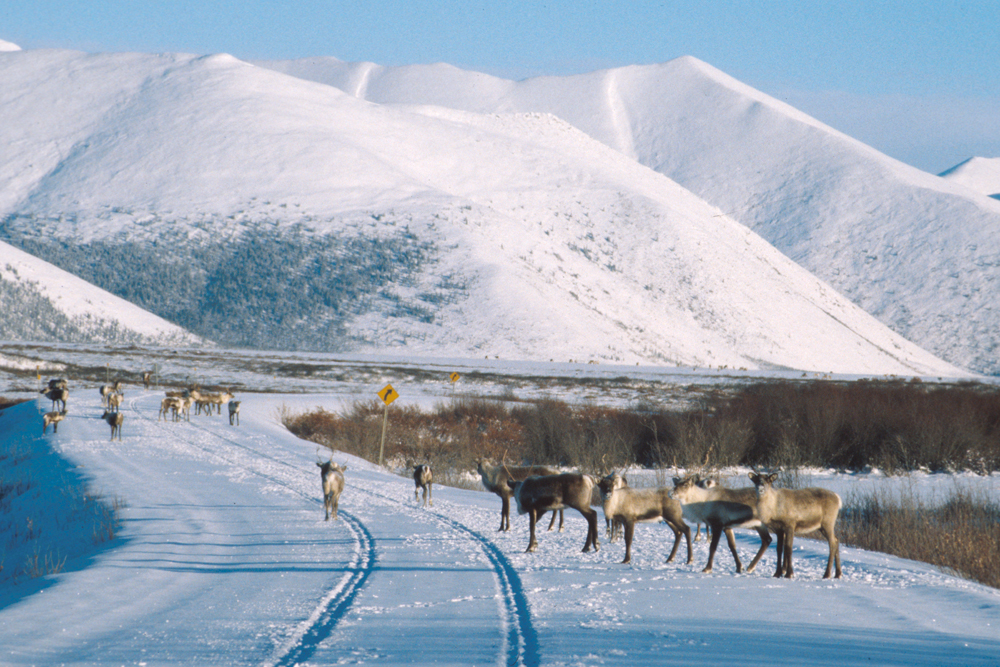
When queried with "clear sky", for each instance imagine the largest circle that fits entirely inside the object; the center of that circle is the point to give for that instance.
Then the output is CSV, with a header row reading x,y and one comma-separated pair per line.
x,y
918,80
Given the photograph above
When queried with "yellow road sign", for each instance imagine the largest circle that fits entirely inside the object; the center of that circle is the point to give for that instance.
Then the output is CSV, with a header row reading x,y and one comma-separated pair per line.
x,y
454,377
388,394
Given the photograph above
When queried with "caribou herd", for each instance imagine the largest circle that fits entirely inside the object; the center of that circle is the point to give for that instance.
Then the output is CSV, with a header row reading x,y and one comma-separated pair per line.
x,y
176,406
539,489
695,499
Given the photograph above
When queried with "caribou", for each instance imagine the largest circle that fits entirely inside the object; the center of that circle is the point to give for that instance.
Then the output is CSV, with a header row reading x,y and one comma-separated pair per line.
x,y
58,396
234,412
114,401
115,421
721,509
423,479
628,505
791,511
108,389
495,480
53,418
332,477
539,494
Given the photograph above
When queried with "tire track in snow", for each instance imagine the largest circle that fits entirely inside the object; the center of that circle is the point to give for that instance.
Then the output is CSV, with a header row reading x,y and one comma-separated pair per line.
x,y
338,600
334,605
520,641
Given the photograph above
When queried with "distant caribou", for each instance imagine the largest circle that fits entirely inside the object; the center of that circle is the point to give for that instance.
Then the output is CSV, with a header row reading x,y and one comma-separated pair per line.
x,y
332,477
115,421
423,479
58,396
52,418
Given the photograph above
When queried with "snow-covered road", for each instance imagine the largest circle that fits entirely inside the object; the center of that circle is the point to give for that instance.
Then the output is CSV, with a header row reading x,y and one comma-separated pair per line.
x,y
224,558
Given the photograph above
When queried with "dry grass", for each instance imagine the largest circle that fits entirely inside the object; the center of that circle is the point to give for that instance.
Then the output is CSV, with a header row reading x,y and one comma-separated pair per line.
x,y
6,401
960,535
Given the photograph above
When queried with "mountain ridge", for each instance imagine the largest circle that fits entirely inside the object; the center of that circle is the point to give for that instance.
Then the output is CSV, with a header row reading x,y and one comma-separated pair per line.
x,y
851,215
269,211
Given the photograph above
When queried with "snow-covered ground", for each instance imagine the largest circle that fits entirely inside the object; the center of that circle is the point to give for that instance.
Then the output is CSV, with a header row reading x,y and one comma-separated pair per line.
x,y
224,558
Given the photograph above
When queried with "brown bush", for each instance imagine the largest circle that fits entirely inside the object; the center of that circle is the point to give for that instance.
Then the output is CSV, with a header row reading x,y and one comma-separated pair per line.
x,y
961,535
896,426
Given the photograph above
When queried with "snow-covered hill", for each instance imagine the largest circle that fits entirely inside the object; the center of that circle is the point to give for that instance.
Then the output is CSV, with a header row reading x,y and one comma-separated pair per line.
x,y
981,174
44,303
920,253
260,209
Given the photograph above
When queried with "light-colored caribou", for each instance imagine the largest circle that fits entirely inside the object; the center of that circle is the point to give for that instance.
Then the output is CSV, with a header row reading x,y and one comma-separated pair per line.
x,y
721,509
171,404
114,401
108,389
495,479
214,402
332,477
791,511
53,418
423,479
537,495
629,505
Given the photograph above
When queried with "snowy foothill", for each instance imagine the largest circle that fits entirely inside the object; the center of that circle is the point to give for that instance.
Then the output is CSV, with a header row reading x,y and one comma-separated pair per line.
x,y
89,311
223,557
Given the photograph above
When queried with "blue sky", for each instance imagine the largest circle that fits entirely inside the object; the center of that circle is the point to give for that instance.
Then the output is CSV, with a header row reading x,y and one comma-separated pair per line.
x,y
917,80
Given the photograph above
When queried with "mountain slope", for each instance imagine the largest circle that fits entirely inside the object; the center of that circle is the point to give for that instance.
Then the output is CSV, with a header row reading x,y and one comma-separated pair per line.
x,y
264,210
872,227
45,303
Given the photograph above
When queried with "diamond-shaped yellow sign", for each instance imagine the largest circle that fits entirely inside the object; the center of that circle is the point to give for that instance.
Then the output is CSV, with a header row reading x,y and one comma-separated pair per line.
x,y
388,394
454,377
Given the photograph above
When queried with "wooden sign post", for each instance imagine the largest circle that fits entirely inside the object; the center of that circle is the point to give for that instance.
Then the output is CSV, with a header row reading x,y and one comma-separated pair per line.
x,y
388,395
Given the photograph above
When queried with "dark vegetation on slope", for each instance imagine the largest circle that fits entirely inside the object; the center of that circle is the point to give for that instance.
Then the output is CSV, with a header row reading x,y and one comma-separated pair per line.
x,y
27,314
265,288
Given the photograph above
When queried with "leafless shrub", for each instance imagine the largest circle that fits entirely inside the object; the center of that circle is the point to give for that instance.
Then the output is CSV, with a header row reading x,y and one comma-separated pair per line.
x,y
961,534
892,425
38,564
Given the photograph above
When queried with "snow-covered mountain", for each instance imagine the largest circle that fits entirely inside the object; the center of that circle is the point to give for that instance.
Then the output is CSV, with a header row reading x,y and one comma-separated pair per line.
x,y
919,252
260,209
981,174
39,301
